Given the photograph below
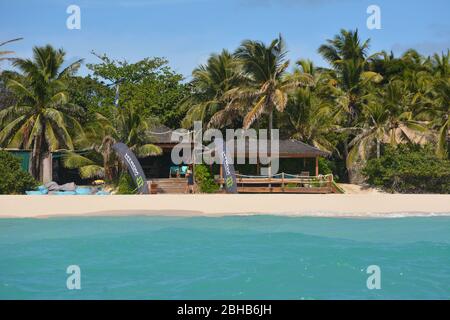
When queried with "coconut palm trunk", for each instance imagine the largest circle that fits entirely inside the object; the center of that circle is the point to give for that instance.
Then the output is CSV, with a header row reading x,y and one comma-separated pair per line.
x,y
269,144
378,149
36,159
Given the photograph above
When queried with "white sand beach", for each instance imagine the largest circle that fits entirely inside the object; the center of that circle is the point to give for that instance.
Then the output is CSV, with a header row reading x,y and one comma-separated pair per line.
x,y
331,205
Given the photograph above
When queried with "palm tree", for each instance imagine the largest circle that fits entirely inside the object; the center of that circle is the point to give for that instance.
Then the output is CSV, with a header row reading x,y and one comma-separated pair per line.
x,y
387,118
311,118
309,111
4,53
427,80
348,56
210,82
133,129
442,97
267,85
98,159
441,119
441,64
43,118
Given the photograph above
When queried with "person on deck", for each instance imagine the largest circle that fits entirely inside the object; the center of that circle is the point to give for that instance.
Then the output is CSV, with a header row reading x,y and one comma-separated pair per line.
x,y
190,181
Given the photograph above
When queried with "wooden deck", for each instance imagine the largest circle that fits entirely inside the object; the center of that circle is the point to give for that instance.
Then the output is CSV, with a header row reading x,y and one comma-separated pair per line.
x,y
307,184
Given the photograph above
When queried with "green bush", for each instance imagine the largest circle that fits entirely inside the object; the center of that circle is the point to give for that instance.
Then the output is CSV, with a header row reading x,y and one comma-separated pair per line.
x,y
325,166
13,180
126,184
409,169
205,180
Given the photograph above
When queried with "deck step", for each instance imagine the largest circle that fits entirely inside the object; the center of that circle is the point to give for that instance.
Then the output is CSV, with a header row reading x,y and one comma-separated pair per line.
x,y
172,185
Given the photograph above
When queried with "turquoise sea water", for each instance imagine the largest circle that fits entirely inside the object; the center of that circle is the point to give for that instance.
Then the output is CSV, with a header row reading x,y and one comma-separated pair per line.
x,y
253,257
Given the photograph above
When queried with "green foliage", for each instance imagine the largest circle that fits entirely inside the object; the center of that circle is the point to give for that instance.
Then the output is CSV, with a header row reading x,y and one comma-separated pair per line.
x,y
90,94
325,166
409,169
126,184
353,108
210,82
13,180
7,98
42,118
149,85
205,180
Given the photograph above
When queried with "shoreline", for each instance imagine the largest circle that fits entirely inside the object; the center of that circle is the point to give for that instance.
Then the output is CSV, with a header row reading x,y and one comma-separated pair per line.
x,y
217,205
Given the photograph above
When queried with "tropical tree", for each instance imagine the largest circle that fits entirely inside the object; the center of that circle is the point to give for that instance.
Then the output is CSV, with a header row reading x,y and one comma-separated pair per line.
x,y
43,119
441,100
350,61
309,111
267,85
387,118
441,64
98,160
3,54
6,97
428,81
441,118
210,82
311,118
134,129
348,56
149,83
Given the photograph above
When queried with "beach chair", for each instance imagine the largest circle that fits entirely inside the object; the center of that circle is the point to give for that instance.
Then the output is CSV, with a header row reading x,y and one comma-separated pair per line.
x,y
183,171
174,171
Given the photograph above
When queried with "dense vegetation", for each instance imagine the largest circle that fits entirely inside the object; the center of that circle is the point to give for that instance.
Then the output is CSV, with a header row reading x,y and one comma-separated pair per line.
x,y
360,108
205,180
13,179
126,184
410,169
362,102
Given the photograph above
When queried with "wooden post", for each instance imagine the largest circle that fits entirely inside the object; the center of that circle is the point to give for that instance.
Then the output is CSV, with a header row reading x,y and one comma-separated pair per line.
x,y
282,181
330,183
317,166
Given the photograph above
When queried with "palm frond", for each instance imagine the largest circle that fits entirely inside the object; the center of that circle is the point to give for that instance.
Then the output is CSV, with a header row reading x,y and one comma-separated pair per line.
x,y
148,150
254,113
72,160
92,171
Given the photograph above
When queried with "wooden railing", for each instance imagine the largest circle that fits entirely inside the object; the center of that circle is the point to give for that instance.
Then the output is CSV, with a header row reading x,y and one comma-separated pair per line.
x,y
284,183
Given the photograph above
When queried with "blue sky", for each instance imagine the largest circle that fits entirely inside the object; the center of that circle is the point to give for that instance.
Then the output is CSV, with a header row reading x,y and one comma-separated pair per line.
x,y
187,31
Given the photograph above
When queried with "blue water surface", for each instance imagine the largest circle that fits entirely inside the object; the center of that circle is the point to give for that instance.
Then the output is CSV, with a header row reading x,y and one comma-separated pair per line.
x,y
246,257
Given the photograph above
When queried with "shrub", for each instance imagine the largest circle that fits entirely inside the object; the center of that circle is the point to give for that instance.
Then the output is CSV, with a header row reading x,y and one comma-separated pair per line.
x,y
13,180
126,184
325,166
205,180
409,169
